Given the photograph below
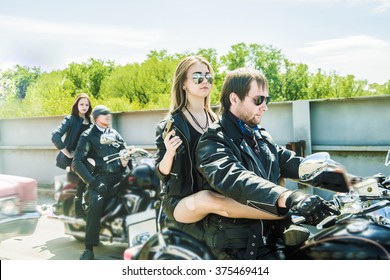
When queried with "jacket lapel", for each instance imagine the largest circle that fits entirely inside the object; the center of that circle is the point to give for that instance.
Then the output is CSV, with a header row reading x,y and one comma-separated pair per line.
x,y
232,131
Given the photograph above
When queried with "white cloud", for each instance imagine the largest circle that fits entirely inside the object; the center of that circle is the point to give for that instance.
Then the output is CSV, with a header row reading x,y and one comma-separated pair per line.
x,y
114,35
345,44
380,5
49,44
384,6
365,57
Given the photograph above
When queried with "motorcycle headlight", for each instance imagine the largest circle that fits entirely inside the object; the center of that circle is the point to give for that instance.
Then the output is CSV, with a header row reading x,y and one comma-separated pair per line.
x,y
9,206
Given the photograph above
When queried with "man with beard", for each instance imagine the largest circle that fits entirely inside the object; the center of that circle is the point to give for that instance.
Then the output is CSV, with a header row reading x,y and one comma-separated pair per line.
x,y
239,159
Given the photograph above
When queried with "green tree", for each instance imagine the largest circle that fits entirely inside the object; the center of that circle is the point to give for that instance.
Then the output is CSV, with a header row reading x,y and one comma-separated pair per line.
x,y
87,76
295,81
144,85
97,70
46,96
346,87
28,92
7,85
237,57
264,58
320,85
386,88
16,81
270,61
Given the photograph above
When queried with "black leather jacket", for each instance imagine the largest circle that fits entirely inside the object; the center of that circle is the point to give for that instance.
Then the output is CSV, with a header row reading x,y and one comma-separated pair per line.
x,y
230,167
72,127
180,182
89,146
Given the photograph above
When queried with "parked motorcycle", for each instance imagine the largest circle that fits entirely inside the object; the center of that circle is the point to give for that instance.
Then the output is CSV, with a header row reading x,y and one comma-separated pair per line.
x,y
129,216
360,231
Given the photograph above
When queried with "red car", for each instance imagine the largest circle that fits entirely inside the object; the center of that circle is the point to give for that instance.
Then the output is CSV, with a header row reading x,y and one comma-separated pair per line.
x,y
18,206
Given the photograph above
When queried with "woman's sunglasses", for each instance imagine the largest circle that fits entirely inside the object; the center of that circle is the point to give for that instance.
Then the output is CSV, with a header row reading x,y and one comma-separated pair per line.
x,y
260,99
199,78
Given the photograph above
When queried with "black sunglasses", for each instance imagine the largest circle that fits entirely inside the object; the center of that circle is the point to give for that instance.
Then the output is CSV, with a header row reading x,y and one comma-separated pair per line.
x,y
260,99
199,78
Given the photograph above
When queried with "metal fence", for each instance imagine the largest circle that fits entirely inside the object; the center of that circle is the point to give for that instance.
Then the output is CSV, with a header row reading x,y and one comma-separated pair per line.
x,y
355,131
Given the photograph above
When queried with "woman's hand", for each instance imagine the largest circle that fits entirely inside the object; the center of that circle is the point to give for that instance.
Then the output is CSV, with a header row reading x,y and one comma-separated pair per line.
x,y
66,152
172,142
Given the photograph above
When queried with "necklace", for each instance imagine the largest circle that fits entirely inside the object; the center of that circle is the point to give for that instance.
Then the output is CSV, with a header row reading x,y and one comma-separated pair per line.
x,y
196,121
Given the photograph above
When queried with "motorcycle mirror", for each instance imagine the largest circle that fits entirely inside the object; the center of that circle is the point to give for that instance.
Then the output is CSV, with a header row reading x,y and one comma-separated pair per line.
x,y
315,164
387,161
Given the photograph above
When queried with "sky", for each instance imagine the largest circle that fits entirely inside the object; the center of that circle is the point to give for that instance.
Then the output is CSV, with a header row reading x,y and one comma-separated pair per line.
x,y
341,36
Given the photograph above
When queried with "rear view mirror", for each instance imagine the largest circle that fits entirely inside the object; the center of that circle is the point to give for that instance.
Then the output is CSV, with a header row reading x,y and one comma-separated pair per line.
x,y
314,165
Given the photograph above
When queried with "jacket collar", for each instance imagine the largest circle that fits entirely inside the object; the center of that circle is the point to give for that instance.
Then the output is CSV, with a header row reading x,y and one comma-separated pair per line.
x,y
232,129
181,123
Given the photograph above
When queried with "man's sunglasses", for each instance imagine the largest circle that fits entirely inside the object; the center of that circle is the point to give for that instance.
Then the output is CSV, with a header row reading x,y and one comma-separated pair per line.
x,y
260,99
199,78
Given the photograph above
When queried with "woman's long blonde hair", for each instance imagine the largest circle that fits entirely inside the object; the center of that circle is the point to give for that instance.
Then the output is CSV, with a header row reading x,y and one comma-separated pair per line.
x,y
178,94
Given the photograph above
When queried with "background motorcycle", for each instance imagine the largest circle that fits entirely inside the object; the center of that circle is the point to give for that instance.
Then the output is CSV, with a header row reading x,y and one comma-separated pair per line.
x,y
361,231
132,208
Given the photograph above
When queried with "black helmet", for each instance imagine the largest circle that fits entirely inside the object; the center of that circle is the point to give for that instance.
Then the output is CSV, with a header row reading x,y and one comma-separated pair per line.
x,y
144,176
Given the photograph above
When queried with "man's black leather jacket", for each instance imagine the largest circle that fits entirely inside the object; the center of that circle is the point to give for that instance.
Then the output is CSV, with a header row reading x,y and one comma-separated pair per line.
x,y
89,146
232,168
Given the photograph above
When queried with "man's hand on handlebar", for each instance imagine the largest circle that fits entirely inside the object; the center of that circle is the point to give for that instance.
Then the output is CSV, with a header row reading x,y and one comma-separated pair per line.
x,y
312,207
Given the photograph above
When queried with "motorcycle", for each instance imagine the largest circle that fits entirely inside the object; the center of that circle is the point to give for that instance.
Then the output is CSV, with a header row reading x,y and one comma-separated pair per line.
x,y
360,231
129,216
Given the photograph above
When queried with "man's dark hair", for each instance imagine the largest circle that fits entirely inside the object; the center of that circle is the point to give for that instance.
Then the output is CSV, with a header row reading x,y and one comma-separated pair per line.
x,y
238,81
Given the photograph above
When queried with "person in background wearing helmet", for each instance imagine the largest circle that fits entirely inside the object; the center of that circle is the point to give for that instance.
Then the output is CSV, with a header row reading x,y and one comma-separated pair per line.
x,y
100,182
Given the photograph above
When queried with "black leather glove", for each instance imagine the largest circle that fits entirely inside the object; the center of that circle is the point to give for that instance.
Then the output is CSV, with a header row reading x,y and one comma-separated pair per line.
x,y
98,187
312,207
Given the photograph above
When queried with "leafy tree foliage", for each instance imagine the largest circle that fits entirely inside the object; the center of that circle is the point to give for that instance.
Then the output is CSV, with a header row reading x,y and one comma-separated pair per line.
x,y
142,84
87,76
237,57
7,85
137,86
14,82
294,82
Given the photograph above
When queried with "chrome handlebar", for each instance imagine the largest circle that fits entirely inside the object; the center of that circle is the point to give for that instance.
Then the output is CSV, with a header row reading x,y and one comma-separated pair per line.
x,y
128,153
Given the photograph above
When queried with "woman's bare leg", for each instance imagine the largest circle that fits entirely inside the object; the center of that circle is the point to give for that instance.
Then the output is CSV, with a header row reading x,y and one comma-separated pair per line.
x,y
195,207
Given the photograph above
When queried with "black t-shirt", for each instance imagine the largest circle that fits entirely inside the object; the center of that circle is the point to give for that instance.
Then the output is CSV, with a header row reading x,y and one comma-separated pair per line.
x,y
195,135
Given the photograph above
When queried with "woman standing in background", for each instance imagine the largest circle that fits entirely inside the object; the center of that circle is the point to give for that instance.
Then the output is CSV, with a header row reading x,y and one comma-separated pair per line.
x,y
72,127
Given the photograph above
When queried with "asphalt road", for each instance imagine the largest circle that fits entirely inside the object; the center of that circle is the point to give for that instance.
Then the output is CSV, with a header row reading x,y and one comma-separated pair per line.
x,y
50,243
